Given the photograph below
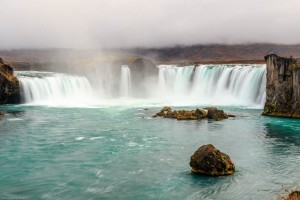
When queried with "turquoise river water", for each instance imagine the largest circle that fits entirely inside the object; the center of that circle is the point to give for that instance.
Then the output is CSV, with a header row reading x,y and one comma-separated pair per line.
x,y
121,152
92,136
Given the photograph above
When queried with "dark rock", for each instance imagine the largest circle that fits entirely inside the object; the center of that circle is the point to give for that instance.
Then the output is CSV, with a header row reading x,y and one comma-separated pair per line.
x,y
9,85
143,67
201,114
142,71
208,160
214,113
1,61
283,87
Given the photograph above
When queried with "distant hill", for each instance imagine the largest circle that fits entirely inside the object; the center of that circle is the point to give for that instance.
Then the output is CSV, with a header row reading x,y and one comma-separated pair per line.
x,y
179,54
214,53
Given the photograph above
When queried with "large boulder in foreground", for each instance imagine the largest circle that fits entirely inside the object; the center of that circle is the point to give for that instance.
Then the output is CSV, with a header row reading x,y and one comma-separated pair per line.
x,y
208,160
9,85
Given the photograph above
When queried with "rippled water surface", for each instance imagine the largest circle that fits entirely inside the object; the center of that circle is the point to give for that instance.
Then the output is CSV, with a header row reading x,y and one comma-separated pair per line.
x,y
123,153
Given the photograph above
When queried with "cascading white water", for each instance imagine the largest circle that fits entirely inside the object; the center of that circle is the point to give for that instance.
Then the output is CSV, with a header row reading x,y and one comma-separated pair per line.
x,y
189,85
214,85
54,88
125,84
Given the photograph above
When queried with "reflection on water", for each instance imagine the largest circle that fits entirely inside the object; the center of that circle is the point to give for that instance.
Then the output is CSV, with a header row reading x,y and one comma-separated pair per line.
x,y
285,131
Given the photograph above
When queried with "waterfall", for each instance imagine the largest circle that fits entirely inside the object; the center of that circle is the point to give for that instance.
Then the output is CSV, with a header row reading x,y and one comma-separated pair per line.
x,y
125,84
54,88
213,84
238,85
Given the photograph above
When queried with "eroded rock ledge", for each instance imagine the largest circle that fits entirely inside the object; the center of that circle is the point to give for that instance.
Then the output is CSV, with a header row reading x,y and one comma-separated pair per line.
x,y
198,114
9,85
283,87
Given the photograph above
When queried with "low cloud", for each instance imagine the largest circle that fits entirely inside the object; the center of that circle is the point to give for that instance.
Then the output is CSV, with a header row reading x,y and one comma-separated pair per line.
x,y
145,23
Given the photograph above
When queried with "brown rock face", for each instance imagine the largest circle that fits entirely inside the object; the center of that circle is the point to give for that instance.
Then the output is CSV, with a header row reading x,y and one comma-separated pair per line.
x,y
208,160
283,87
214,113
9,85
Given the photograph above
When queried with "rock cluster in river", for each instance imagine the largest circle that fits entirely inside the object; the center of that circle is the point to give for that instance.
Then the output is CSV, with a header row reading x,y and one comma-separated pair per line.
x,y
197,114
208,160
9,85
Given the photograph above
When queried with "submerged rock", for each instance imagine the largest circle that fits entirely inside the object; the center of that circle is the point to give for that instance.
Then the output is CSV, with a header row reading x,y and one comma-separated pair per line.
x,y
9,85
208,160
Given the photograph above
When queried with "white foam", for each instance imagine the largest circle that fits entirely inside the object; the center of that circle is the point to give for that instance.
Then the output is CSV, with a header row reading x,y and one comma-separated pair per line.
x,y
14,119
79,138
95,138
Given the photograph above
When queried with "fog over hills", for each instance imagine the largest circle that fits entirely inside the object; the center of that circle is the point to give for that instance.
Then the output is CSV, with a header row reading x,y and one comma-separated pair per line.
x,y
195,53
96,24
163,30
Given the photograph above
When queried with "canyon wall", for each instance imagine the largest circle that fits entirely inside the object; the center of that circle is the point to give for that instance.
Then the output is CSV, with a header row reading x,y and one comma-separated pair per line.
x,y
283,87
9,85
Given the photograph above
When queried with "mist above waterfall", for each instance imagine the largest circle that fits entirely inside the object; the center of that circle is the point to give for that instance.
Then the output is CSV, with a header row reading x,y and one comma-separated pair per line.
x,y
142,23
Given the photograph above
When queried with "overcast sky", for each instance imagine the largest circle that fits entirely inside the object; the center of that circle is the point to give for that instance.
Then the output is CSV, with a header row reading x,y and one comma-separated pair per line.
x,y
146,23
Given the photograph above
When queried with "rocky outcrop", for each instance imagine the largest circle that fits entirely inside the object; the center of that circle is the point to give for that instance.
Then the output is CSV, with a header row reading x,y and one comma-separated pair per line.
x,y
9,85
208,160
142,71
143,67
198,114
283,87
216,114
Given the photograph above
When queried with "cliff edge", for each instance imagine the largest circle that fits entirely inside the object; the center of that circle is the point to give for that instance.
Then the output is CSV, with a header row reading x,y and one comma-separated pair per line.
x,y
283,87
9,85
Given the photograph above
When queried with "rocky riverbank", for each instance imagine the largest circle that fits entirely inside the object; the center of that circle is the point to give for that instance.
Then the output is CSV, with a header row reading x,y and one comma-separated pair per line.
x,y
9,85
283,87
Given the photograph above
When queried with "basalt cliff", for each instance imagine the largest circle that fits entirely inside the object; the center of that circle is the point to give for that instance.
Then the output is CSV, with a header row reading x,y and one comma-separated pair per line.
x,y
9,85
283,87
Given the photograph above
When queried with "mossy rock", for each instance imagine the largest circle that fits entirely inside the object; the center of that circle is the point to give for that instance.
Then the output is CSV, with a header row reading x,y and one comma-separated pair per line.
x,y
208,160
